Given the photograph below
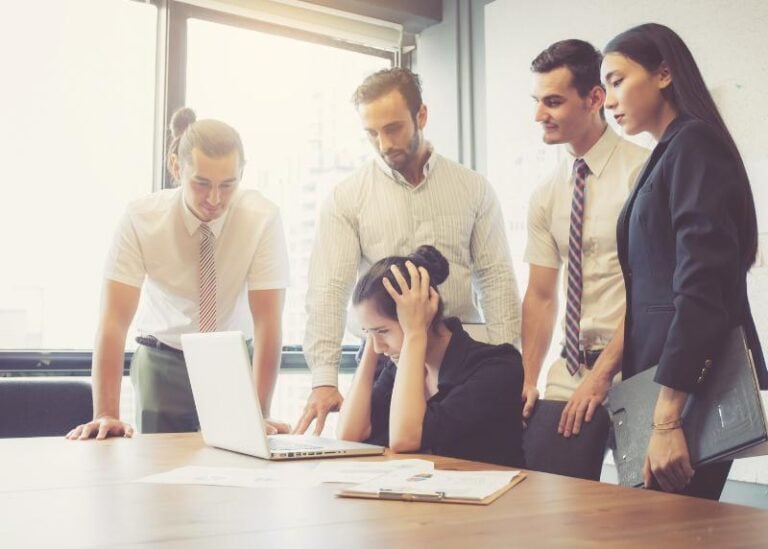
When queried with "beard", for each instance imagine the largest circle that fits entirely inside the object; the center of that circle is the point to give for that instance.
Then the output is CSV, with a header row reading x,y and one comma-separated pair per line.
x,y
405,156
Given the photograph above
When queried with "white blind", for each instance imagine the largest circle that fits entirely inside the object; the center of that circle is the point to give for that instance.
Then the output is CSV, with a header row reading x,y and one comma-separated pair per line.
x,y
349,27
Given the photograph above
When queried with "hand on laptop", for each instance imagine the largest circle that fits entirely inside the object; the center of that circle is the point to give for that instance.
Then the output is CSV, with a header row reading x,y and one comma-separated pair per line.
x,y
101,428
322,400
274,427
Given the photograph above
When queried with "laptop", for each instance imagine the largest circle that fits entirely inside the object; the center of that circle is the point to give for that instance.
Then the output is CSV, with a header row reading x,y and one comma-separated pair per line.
x,y
228,407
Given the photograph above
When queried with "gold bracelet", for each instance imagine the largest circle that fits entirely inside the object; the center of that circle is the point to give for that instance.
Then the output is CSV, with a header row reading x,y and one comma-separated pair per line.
x,y
668,425
659,424
674,428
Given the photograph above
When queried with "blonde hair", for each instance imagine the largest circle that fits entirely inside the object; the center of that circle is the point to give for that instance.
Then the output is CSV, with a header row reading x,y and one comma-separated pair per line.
x,y
212,137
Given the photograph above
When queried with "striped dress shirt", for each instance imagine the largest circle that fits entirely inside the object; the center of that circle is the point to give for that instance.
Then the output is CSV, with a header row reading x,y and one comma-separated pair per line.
x,y
376,213
157,248
614,164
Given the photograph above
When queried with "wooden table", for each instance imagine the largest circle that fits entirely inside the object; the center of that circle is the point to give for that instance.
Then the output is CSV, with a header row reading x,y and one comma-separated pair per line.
x,y
59,493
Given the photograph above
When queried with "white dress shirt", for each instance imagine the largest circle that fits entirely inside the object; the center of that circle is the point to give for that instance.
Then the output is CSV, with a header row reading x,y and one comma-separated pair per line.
x,y
376,213
614,165
157,248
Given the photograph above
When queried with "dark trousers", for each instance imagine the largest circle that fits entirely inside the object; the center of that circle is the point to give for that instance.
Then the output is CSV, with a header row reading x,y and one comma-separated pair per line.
x,y
708,481
163,401
162,394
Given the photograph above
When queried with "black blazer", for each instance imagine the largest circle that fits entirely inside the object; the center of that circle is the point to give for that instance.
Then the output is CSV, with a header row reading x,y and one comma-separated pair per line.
x,y
682,259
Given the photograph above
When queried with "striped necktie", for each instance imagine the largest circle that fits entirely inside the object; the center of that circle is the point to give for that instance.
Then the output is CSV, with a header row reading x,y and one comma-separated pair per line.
x,y
575,282
207,273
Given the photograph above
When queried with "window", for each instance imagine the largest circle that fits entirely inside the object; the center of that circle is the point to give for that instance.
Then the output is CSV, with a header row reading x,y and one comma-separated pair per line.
x,y
77,107
290,101
79,128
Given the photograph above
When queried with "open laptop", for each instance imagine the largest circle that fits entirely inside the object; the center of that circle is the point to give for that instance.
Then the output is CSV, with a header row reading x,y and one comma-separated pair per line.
x,y
228,406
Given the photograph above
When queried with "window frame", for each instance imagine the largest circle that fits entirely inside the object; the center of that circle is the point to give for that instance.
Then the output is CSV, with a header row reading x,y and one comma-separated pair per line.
x,y
178,14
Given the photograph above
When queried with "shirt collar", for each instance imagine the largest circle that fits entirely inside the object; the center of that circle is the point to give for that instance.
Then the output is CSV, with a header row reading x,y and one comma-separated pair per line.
x,y
192,223
674,127
397,177
597,157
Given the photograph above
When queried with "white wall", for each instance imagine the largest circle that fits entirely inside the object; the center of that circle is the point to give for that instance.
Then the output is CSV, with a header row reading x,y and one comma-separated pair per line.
x,y
437,64
728,40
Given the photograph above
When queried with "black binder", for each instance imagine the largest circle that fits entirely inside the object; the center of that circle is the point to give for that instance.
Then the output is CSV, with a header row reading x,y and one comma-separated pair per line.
x,y
725,419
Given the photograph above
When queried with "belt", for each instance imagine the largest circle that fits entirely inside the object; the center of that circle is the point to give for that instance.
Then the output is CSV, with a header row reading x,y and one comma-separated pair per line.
x,y
152,341
587,358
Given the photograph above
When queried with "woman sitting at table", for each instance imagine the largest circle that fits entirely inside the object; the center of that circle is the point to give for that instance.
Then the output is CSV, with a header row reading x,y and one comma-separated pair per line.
x,y
441,392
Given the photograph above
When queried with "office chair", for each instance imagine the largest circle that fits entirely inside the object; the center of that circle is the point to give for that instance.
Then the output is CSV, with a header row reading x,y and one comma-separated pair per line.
x,y
579,456
43,406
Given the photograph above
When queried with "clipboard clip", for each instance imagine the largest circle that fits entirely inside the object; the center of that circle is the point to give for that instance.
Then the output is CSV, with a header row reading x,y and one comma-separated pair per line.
x,y
410,496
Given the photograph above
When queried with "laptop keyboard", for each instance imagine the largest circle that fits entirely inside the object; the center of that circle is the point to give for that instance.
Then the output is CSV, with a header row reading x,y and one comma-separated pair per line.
x,y
277,444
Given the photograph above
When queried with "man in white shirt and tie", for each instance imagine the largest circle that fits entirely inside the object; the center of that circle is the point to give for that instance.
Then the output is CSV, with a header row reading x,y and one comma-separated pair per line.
x,y
572,224
407,195
204,256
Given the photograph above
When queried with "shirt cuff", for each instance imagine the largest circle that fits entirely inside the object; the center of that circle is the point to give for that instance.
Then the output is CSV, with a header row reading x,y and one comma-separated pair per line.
x,y
328,376
542,261
136,282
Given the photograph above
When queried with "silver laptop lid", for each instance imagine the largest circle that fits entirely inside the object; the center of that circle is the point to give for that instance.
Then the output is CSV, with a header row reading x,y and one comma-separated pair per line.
x,y
227,403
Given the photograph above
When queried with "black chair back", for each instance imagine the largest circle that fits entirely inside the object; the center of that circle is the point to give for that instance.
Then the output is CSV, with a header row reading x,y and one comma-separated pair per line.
x,y
43,406
579,456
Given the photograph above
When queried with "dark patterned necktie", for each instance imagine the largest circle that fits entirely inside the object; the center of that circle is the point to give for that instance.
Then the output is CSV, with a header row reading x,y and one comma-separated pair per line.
x,y
575,282
207,280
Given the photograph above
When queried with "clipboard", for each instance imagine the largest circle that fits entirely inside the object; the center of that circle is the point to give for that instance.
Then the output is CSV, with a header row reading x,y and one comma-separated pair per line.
x,y
379,489
724,420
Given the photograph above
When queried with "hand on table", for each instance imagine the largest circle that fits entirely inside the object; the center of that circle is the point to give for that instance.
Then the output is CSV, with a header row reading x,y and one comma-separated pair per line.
x,y
101,428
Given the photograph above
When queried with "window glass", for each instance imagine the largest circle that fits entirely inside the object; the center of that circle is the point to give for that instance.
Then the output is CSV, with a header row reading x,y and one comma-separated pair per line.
x,y
77,107
290,101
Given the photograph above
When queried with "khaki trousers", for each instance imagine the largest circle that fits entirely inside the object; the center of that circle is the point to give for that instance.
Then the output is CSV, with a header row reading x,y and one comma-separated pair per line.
x,y
561,384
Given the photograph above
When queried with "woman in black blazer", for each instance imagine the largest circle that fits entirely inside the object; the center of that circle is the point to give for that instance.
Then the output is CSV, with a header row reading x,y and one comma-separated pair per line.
x,y
686,239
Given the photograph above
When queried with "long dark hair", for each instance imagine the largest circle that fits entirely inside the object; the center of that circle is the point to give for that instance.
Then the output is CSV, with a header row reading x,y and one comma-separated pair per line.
x,y
652,44
370,286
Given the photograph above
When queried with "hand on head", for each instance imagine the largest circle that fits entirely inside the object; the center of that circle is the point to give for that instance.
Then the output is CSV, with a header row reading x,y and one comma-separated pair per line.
x,y
417,302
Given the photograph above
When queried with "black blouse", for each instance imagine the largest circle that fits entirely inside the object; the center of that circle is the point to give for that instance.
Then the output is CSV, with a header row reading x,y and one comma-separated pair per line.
x,y
476,412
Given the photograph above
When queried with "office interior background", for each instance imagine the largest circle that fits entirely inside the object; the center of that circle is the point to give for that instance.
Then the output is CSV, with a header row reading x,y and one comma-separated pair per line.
x,y
90,85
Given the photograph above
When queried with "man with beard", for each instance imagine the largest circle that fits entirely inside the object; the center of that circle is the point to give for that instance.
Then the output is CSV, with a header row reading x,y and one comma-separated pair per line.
x,y
406,196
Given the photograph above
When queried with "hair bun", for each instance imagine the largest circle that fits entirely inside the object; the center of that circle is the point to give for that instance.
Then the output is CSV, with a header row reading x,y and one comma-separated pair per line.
x,y
181,120
433,261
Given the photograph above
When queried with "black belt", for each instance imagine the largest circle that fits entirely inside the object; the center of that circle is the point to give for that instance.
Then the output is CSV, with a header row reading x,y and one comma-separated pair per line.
x,y
587,358
152,341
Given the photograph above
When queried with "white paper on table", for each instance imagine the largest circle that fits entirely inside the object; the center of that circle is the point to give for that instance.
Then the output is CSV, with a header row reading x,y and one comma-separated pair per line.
x,y
469,485
267,477
347,471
